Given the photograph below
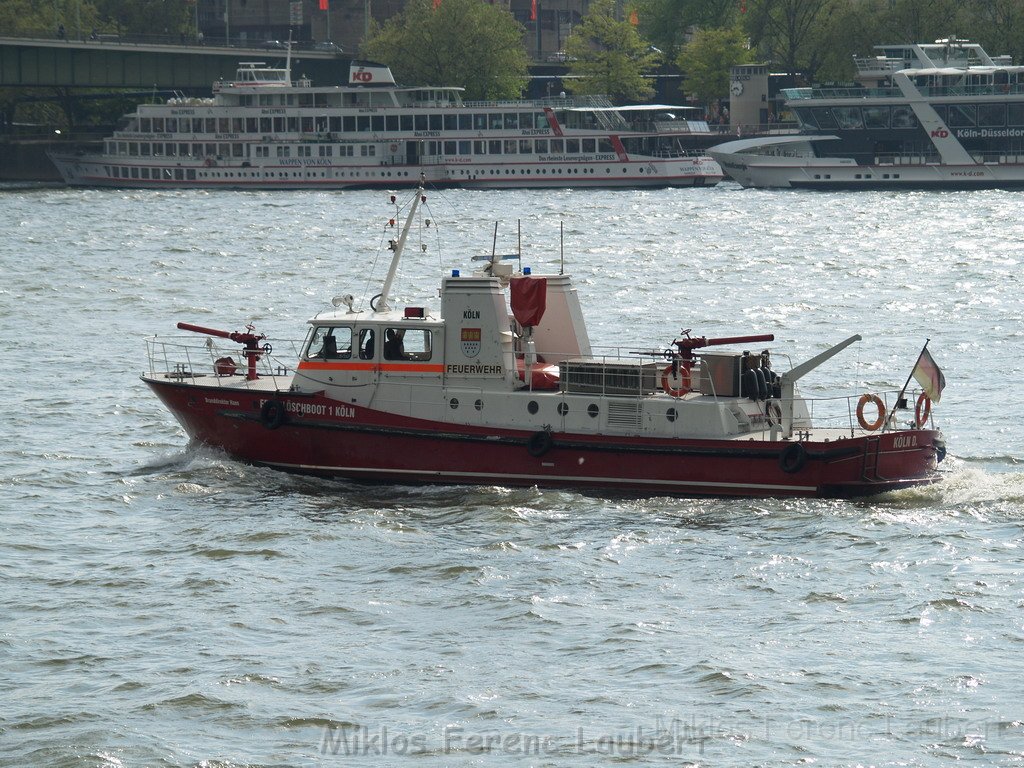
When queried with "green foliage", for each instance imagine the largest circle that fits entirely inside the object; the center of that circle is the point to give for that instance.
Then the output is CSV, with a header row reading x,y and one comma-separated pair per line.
x,y
818,38
146,17
706,59
609,56
34,19
666,23
463,42
794,35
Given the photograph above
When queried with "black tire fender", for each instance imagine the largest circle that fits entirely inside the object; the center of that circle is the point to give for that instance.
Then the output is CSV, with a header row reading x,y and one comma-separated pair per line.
x,y
272,414
539,443
792,458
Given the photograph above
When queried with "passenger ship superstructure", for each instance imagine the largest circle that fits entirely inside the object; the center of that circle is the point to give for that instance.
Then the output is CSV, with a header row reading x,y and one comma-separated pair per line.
x,y
264,131
942,115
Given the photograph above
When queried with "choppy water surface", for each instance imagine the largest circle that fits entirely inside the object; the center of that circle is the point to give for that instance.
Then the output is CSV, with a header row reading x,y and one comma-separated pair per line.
x,y
165,606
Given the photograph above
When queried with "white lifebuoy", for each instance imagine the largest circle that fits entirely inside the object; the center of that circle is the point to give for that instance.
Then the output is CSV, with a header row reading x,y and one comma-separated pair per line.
x,y
393,147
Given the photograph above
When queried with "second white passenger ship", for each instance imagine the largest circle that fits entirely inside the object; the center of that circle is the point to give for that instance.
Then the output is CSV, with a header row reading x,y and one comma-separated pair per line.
x,y
264,131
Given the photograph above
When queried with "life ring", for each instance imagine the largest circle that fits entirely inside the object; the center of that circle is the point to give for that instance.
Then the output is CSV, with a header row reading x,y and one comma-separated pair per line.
x,y
773,413
792,458
922,410
272,414
870,426
209,162
683,375
539,443
393,147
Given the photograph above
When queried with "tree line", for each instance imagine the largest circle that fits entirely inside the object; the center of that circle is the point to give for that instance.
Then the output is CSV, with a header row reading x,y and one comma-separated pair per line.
x,y
481,46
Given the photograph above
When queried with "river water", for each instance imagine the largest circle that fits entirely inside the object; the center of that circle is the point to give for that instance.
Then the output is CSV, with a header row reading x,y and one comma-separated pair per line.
x,y
165,606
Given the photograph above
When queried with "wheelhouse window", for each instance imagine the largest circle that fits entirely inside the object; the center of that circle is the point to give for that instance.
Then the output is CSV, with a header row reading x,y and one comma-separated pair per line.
x,y
407,344
366,344
329,343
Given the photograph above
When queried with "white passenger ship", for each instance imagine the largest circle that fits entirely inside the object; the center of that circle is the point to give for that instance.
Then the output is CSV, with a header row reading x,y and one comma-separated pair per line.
x,y
264,131
944,115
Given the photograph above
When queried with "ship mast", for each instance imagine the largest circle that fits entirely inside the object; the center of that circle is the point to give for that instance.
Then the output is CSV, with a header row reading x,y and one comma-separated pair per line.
x,y
398,246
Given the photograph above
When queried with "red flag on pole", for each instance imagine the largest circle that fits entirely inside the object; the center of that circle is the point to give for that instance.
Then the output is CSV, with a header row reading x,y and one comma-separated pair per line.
x,y
533,10
323,5
437,4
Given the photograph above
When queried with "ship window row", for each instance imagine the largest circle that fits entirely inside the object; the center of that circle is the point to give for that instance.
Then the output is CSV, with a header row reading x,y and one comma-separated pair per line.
x,y
850,118
996,115
357,99
235,149
335,343
151,174
519,147
474,121
449,148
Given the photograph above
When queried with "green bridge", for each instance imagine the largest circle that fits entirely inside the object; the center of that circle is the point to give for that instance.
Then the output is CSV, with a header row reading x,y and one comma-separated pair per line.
x,y
113,63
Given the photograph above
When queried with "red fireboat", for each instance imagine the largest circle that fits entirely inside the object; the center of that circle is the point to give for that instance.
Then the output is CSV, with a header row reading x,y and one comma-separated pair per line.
x,y
500,385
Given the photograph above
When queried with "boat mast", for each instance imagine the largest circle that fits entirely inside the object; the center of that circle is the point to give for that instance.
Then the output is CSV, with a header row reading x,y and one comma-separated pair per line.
x,y
398,246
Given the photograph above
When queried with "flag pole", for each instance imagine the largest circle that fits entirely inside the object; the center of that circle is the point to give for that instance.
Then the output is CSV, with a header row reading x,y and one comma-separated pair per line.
x,y
907,382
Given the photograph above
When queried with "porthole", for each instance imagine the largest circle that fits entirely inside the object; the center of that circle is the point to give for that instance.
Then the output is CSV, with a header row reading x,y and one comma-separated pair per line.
x,y
592,410
453,403
479,405
671,414
563,408
532,407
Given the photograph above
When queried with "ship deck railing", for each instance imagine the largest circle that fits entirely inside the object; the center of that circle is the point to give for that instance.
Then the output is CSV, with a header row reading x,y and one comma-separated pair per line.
x,y
619,373
187,360
555,102
946,91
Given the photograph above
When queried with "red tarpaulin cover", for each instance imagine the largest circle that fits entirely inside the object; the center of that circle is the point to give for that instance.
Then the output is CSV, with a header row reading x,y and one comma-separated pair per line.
x,y
529,299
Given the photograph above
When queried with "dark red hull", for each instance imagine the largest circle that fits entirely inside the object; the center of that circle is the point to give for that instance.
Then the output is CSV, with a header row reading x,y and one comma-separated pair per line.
x,y
323,437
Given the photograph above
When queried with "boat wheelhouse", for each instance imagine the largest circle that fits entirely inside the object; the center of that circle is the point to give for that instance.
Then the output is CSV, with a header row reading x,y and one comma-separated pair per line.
x,y
264,131
942,115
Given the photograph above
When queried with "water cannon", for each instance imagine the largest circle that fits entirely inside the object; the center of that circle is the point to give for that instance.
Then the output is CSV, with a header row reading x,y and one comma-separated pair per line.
x,y
249,340
686,346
